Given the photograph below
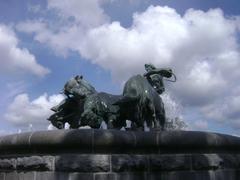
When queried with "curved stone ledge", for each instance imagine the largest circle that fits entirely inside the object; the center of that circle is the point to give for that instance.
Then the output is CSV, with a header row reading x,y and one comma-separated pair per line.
x,y
114,141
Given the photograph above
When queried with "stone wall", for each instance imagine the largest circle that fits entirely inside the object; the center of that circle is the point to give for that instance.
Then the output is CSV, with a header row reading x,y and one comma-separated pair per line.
x,y
119,155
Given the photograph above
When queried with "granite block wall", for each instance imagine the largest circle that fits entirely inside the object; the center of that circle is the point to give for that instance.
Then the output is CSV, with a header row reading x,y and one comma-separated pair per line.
x,y
119,155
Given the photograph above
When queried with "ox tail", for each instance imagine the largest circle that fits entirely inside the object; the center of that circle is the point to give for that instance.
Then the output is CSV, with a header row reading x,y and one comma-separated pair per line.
x,y
127,100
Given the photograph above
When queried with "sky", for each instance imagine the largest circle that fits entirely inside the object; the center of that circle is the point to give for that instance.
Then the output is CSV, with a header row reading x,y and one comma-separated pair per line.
x,y
45,43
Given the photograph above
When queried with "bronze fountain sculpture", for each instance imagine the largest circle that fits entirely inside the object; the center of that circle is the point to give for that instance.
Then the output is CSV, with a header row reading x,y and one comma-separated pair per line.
x,y
139,102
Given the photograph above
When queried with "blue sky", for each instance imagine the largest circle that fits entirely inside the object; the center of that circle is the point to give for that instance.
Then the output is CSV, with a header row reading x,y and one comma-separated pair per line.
x,y
44,43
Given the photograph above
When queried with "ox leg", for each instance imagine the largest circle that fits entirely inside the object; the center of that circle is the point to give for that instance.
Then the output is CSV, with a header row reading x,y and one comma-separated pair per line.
x,y
162,119
150,121
133,126
110,121
90,118
159,120
149,114
138,120
160,116
110,124
156,122
153,123
136,126
114,123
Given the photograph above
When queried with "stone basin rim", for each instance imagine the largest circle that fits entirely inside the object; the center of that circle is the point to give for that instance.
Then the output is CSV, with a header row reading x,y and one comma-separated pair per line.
x,y
115,141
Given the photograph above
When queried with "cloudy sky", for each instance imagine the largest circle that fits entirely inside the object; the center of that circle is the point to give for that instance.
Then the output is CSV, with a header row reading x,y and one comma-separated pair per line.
x,y
44,43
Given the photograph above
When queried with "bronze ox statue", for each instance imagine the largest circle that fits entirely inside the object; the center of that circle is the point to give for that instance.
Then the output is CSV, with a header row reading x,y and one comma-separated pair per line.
x,y
139,103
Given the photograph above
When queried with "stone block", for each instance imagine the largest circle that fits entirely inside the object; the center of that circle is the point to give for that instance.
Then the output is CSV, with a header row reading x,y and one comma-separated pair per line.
x,y
226,175
185,175
206,161
154,176
26,175
229,161
2,176
81,176
39,163
11,176
7,164
51,176
122,163
215,161
105,176
131,176
83,163
169,162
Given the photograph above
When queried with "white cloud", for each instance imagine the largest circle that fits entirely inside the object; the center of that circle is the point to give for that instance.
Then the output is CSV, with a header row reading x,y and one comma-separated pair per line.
x,y
14,58
201,85
163,37
224,111
88,13
22,111
61,40
152,37
75,18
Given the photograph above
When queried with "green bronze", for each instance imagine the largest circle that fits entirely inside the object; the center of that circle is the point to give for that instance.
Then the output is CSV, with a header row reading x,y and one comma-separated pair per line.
x,y
140,102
